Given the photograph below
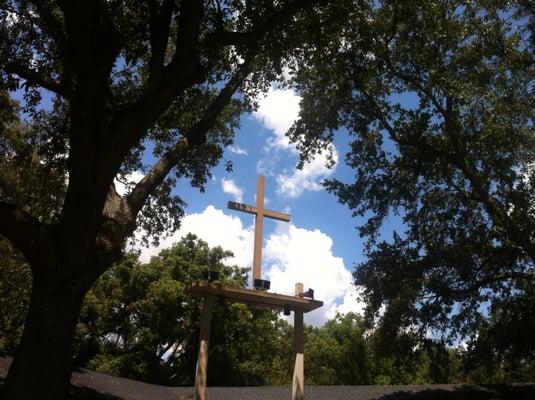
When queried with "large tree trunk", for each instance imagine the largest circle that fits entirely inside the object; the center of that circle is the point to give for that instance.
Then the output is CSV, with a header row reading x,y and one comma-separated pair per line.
x,y
41,368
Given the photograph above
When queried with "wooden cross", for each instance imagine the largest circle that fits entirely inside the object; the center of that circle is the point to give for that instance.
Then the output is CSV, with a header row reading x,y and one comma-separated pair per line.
x,y
260,212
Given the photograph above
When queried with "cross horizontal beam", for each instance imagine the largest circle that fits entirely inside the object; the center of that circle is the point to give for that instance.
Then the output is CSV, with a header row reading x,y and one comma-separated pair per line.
x,y
253,210
254,297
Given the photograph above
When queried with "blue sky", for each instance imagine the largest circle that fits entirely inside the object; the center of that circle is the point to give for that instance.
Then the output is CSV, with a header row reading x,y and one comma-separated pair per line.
x,y
320,245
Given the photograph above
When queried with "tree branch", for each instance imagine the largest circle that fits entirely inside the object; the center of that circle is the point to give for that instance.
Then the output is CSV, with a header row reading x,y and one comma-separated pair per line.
x,y
39,79
185,69
475,287
185,62
52,23
182,72
412,81
495,209
378,113
137,197
160,24
226,38
25,231
221,38
195,136
527,276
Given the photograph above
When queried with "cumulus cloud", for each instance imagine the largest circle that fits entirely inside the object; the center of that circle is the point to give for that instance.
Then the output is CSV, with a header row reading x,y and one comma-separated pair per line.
x,y
293,184
351,302
301,255
278,110
291,255
230,187
217,229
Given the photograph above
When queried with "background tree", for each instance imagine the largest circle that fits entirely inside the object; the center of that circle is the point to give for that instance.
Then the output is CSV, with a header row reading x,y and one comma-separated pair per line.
x,y
176,74
337,353
345,351
139,322
39,183
439,108
14,296
13,292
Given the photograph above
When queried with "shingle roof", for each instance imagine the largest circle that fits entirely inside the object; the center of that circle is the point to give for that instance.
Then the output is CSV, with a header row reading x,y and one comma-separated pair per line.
x,y
93,385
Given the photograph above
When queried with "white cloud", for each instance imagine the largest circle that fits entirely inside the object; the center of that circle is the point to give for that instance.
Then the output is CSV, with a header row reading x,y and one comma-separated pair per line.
x,y
278,110
350,302
293,184
301,255
130,179
217,229
238,150
231,188
291,255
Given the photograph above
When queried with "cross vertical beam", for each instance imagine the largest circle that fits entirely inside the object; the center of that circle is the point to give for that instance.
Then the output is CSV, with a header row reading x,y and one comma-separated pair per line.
x,y
259,227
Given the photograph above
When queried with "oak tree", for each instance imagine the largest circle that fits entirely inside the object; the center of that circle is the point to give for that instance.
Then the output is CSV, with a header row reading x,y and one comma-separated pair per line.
x,y
439,106
125,78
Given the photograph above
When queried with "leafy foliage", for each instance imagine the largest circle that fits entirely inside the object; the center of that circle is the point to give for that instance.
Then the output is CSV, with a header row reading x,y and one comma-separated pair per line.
x,y
138,321
14,295
337,353
345,352
437,97
40,186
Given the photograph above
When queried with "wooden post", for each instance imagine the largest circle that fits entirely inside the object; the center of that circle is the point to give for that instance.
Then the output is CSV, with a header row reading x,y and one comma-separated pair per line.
x,y
204,341
299,288
298,383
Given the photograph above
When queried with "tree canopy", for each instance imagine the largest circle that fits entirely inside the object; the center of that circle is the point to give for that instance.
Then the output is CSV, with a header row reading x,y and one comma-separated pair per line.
x,y
167,78
439,106
138,321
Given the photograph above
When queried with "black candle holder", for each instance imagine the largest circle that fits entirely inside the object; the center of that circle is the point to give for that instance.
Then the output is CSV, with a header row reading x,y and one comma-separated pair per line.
x,y
261,284
308,294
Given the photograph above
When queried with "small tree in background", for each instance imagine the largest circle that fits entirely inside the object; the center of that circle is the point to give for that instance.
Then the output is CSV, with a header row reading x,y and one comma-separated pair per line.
x,y
138,321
